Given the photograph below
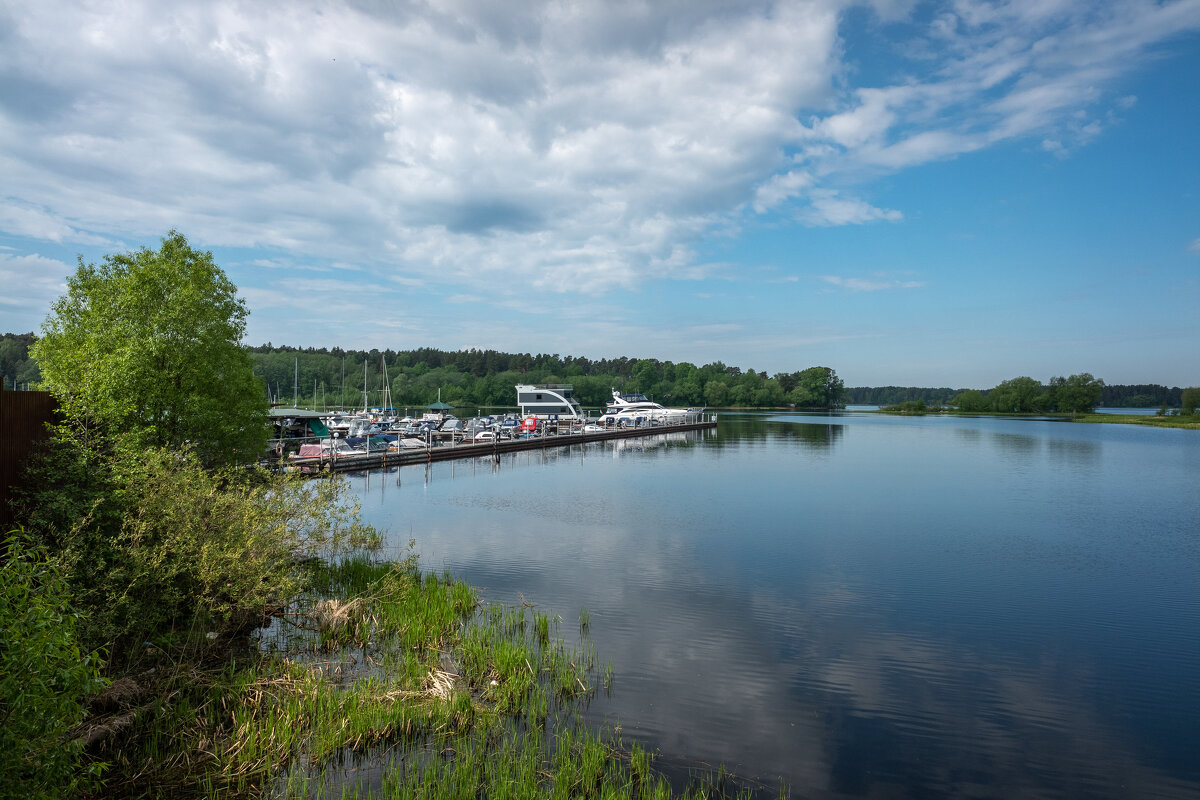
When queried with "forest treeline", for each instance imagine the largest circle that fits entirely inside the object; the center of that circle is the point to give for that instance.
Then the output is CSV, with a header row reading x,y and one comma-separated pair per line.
x,y
1142,395
16,367
487,378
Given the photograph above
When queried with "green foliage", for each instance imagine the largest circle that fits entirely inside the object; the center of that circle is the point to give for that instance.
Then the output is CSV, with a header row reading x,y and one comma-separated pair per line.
x,y
907,407
155,544
894,395
1144,395
17,369
146,346
970,400
1015,395
44,679
1078,394
815,387
1189,401
486,379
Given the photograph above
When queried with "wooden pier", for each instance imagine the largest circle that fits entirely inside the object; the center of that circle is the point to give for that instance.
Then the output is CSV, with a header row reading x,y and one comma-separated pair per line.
x,y
427,455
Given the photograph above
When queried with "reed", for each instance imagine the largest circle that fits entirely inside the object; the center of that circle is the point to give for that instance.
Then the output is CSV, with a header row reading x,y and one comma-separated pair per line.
x,y
466,700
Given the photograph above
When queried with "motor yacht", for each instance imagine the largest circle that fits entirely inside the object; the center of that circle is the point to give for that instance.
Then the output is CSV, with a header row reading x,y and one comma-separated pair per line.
x,y
628,408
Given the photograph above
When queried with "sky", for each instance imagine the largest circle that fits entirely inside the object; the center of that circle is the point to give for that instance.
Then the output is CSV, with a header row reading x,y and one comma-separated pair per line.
x,y
933,194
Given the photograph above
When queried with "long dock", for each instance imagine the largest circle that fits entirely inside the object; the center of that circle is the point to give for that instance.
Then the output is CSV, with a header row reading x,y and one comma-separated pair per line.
x,y
427,455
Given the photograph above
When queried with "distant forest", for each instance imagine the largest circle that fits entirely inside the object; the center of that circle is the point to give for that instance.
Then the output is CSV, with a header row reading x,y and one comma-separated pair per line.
x,y
487,377
1116,396
16,367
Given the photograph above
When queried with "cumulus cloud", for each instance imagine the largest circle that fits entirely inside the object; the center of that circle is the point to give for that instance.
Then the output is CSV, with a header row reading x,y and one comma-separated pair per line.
x,y
545,145
31,281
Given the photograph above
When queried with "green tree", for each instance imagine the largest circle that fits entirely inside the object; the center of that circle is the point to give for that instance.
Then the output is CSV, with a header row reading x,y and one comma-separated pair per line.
x,y
1189,400
817,387
646,374
147,347
716,393
1015,394
970,400
1077,394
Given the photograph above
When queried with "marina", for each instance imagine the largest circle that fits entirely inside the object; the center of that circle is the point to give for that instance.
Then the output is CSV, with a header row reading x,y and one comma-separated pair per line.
x,y
335,460
550,417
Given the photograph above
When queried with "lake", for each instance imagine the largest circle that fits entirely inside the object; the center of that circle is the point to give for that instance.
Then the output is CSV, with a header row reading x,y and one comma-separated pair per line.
x,y
860,605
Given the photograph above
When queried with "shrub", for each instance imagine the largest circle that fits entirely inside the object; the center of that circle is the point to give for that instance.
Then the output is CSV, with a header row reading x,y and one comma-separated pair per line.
x,y
158,545
44,679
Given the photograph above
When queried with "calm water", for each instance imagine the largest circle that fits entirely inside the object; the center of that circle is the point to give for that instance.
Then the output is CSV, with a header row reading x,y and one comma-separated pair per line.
x,y
865,606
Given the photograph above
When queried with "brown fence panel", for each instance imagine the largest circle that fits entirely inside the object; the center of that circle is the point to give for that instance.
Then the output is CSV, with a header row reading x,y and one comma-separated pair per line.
x,y
23,419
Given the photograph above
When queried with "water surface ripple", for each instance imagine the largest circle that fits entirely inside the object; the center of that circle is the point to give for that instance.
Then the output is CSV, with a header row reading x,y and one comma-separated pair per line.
x,y
861,605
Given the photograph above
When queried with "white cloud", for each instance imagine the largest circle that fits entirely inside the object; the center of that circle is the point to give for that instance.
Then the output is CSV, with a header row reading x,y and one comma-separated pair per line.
x,y
780,188
829,208
549,146
31,283
1194,246
870,284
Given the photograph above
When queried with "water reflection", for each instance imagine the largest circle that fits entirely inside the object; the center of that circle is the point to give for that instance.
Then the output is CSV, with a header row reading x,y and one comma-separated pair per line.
x,y
1078,453
814,431
897,612
1015,446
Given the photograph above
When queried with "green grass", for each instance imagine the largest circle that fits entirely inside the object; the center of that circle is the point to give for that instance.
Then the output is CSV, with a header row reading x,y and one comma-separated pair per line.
x,y
448,697
1164,421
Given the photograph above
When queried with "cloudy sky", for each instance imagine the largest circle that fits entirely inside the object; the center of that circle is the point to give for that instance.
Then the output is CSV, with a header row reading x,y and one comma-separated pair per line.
x,y
916,193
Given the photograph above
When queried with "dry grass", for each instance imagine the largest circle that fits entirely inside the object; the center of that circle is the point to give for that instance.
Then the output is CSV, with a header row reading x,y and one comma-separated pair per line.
x,y
333,616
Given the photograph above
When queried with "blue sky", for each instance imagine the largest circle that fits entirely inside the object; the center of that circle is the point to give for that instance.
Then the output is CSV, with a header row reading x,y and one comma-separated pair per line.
x,y
945,194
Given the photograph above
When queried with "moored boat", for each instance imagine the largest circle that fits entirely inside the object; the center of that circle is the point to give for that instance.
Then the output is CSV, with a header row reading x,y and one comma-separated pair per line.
x,y
629,408
552,401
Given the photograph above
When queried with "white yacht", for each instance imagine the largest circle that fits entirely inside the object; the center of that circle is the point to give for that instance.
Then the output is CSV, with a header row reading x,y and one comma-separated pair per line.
x,y
549,401
628,408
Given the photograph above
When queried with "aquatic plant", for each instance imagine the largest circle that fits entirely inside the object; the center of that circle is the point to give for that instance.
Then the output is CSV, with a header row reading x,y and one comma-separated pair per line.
x,y
450,698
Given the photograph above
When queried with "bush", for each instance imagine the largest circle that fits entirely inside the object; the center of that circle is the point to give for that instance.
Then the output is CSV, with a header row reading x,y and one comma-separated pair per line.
x,y
907,407
44,679
156,547
1189,400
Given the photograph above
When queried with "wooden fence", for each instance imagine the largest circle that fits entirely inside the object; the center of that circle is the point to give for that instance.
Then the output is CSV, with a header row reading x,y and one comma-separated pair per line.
x,y
23,418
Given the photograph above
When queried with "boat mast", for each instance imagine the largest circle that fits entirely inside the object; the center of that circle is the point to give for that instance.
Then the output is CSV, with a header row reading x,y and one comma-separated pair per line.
x,y
387,385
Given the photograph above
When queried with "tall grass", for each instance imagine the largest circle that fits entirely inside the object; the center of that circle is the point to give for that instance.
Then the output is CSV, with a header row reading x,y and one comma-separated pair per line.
x,y
451,698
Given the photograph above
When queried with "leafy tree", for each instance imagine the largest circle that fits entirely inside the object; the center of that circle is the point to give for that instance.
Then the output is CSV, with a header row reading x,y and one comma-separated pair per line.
x,y
1189,400
817,387
970,400
716,393
1015,394
645,374
1077,394
146,347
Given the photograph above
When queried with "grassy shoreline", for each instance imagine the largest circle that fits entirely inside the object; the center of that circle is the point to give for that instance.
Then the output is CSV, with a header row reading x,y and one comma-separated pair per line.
x,y
406,676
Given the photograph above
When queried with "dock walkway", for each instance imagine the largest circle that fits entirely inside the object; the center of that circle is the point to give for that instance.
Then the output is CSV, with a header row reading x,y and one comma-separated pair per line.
x,y
427,455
